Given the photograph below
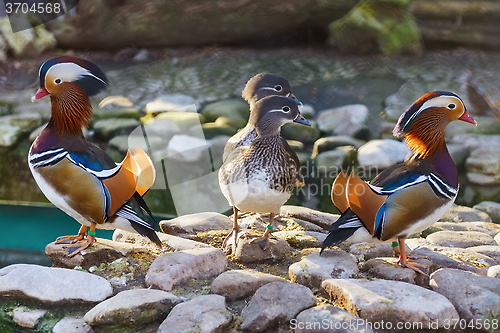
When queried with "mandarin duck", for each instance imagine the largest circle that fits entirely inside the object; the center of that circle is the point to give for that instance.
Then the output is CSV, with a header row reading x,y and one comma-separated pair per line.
x,y
410,196
258,87
78,177
260,178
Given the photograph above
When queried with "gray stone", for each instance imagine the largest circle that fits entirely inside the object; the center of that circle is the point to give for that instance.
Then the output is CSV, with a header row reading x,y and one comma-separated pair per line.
x,y
117,112
107,128
186,148
237,284
184,121
234,109
312,270
73,325
484,227
329,163
299,132
28,318
483,166
173,242
382,154
103,251
462,239
492,251
390,269
275,303
307,110
464,214
332,142
13,126
128,142
193,223
252,252
458,153
494,271
307,214
175,268
207,314
474,296
171,102
128,308
491,208
476,141
222,126
326,318
301,239
344,120
28,42
383,300
52,285
373,250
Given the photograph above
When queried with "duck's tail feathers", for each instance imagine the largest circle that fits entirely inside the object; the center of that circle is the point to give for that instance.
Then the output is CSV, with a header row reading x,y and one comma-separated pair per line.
x,y
144,225
342,229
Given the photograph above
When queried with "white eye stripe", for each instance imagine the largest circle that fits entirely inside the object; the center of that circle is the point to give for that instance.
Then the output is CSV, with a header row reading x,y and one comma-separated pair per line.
x,y
69,71
441,101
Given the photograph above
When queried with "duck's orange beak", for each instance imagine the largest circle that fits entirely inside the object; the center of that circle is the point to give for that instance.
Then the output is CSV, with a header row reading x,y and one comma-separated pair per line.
x,y
467,118
39,94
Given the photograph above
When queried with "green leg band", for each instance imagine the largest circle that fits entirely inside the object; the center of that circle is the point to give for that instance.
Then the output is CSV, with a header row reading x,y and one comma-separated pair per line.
x,y
270,227
90,233
395,244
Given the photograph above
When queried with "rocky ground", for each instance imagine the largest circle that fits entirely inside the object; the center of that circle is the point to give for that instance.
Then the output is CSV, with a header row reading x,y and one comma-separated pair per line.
x,y
192,285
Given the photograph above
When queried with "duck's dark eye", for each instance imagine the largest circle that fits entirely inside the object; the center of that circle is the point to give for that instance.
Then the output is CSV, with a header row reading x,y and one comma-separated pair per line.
x,y
278,88
286,109
57,81
451,106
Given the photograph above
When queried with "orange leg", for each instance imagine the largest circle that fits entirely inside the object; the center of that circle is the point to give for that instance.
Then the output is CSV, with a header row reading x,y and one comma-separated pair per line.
x,y
403,259
263,240
234,232
77,248
73,239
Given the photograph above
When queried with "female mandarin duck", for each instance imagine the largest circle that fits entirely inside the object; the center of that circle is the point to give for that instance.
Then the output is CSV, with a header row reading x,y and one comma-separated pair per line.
x,y
260,178
78,177
408,197
258,87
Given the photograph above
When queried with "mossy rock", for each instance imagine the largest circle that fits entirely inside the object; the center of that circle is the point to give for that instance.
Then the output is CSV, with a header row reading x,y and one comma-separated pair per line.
x,y
185,120
116,113
214,129
302,133
233,109
386,26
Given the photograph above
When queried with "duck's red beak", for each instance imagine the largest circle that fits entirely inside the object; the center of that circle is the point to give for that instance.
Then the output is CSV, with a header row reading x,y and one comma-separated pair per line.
x,y
467,118
39,94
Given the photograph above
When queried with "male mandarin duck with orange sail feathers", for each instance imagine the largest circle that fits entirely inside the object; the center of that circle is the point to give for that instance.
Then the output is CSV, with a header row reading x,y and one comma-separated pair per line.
x,y
78,177
410,196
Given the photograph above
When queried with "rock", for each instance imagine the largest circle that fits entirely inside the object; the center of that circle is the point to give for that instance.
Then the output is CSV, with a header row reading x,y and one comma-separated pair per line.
x,y
162,105
344,120
186,148
307,214
299,132
330,163
128,142
116,113
175,268
110,102
483,166
492,251
301,239
464,214
484,227
193,223
173,242
132,308
103,251
382,154
307,111
107,128
237,284
248,252
382,300
460,238
477,141
52,285
390,269
458,153
27,43
491,208
236,110
326,318
373,250
275,303
368,28
205,313
314,269
218,128
184,120
296,146
332,142
72,324
494,271
13,126
25,317
474,296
